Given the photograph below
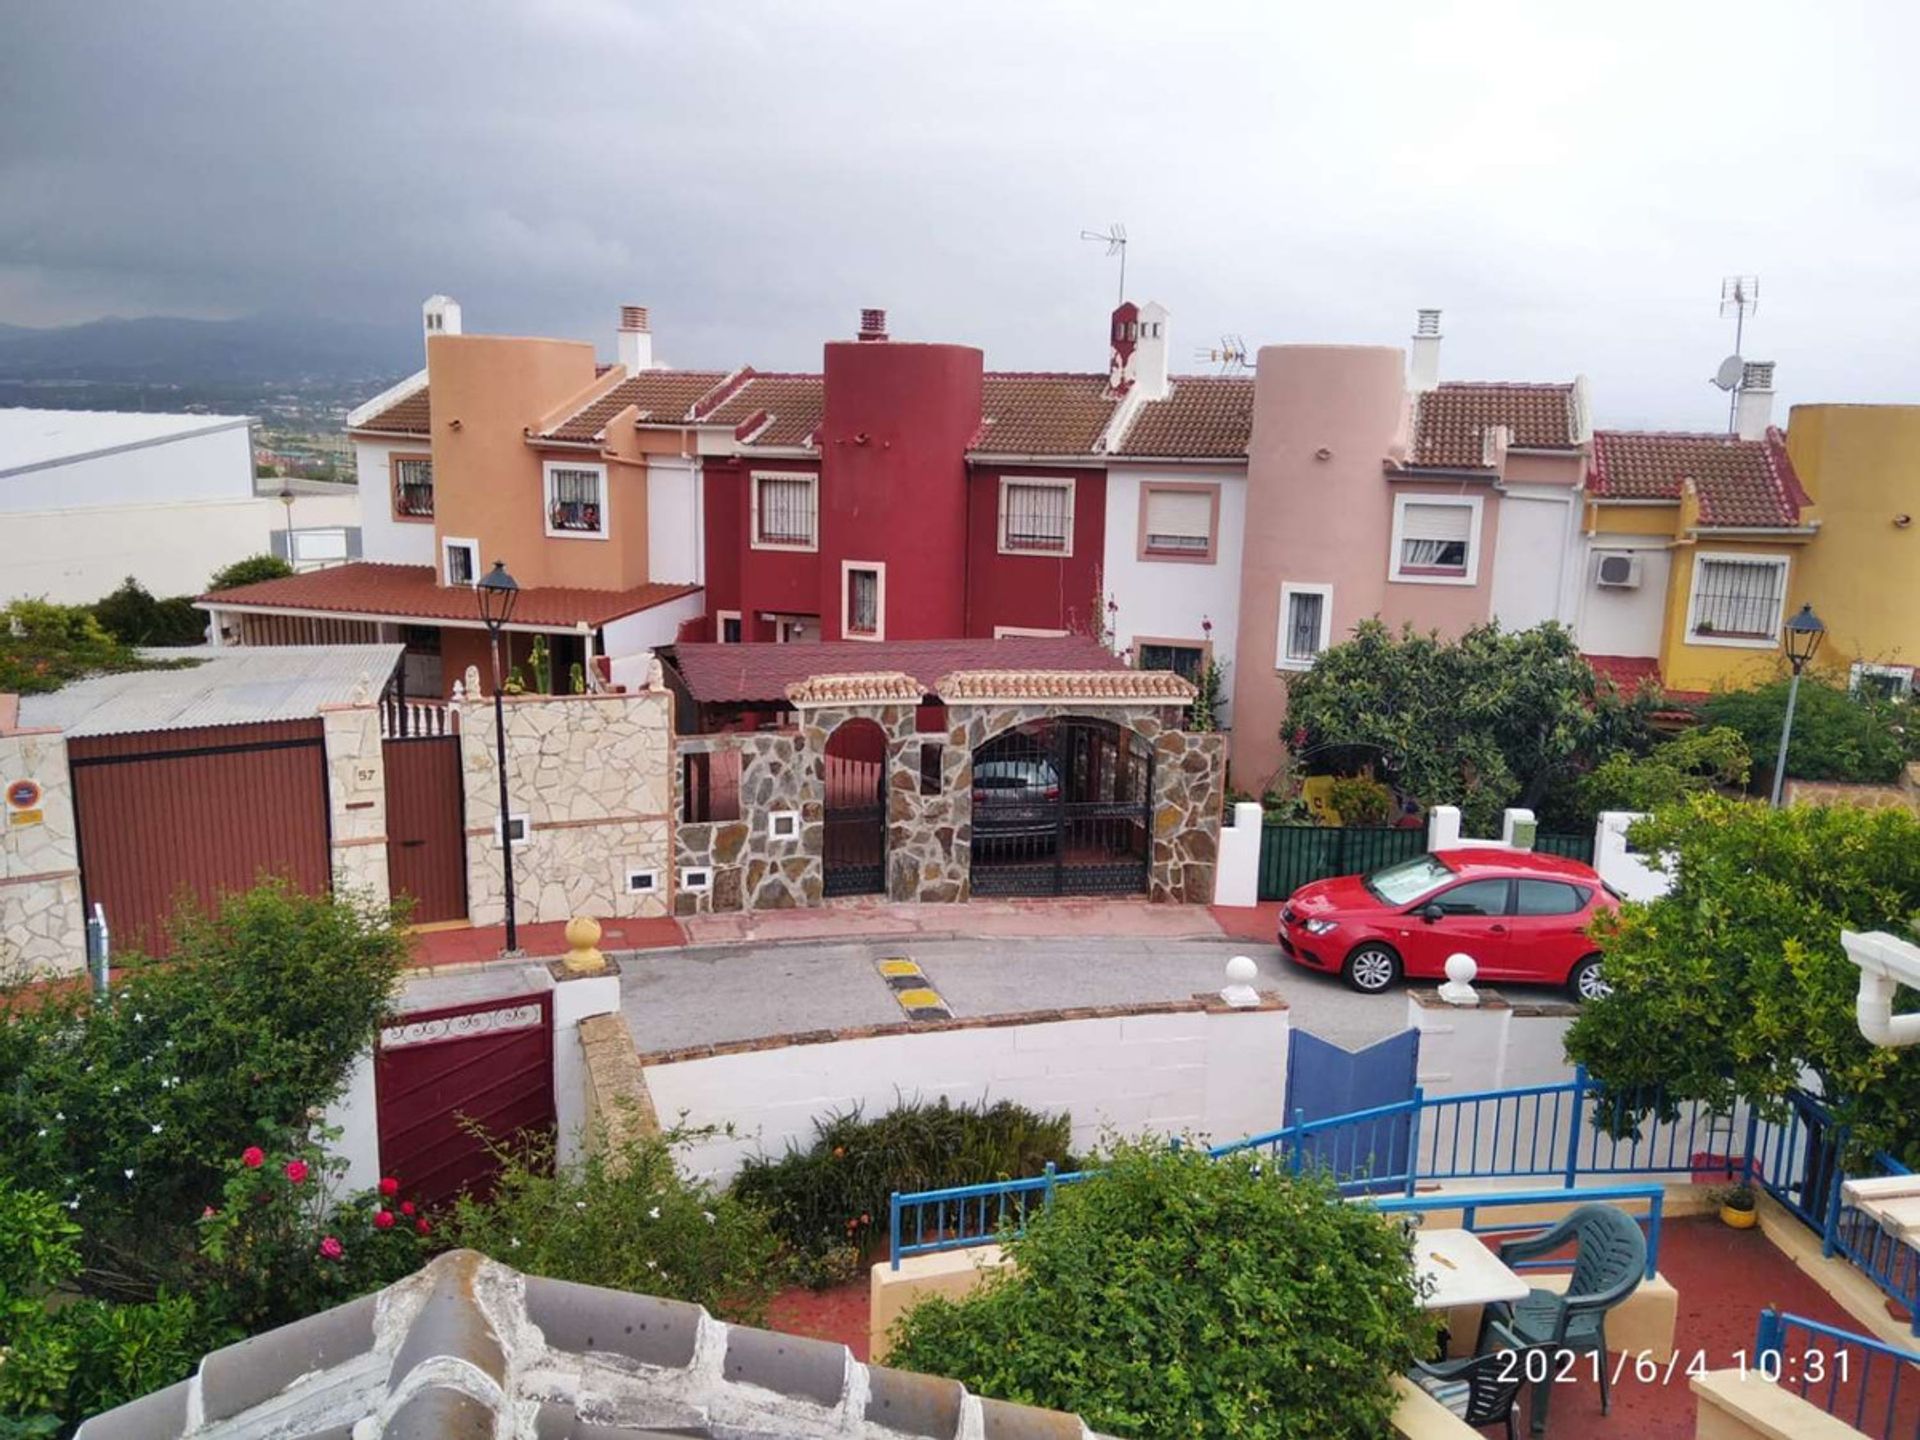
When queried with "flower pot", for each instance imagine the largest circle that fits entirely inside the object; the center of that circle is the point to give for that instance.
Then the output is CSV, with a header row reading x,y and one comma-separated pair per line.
x,y
1738,1217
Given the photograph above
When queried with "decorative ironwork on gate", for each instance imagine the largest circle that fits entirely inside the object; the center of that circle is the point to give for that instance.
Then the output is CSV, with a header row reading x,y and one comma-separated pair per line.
x,y
1062,807
855,836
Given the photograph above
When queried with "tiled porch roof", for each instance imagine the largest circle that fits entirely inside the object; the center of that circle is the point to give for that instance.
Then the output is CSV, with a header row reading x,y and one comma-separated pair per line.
x,y
743,674
1106,687
413,592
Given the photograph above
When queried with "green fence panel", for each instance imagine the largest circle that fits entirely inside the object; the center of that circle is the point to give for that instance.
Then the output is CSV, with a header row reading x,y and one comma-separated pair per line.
x,y
1296,855
1567,845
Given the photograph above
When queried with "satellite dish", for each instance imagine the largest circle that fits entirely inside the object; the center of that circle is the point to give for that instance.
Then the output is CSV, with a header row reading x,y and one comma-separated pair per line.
x,y
1727,377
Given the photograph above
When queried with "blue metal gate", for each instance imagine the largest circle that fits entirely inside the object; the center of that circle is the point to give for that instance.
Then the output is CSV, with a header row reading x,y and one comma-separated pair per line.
x,y
1325,1080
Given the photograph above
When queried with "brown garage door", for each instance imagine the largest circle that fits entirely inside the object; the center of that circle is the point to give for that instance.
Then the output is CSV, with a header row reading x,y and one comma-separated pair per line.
x,y
199,812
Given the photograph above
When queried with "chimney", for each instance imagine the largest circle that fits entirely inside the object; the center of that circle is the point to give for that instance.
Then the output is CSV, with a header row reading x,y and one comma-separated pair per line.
x,y
873,324
1753,408
635,339
440,315
1423,370
1138,356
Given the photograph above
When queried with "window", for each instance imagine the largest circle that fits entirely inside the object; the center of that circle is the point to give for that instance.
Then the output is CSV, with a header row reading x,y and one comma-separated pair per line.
x,y
577,500
1550,897
517,830
786,512
1885,682
709,786
1185,658
783,824
1737,600
462,561
1036,517
863,600
728,626
1435,541
642,882
1306,624
1001,632
1178,522
1476,897
412,487
795,629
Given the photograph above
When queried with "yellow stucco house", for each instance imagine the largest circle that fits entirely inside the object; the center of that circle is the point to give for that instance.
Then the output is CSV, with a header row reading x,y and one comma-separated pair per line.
x,y
1862,576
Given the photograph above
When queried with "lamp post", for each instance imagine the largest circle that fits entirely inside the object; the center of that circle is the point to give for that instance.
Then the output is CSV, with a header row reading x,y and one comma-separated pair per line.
x,y
286,499
497,592
1801,635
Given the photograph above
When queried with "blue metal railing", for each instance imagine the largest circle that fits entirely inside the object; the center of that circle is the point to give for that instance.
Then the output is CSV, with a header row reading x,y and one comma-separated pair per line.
x,y
1471,1203
1852,1377
965,1215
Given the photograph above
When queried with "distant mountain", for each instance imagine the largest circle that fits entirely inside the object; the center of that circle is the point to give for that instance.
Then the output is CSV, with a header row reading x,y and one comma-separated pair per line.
x,y
263,349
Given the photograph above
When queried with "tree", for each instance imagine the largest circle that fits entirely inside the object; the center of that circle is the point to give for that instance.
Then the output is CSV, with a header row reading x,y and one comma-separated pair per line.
x,y
1734,982
133,616
1493,719
1178,1297
43,646
1691,763
250,571
1837,734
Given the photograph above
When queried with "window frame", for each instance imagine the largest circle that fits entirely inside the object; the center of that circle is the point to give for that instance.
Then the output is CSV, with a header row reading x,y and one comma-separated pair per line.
x,y
395,459
1140,643
1439,897
1050,482
1398,574
754,539
1005,632
1769,641
1865,669
1145,551
720,618
651,876
516,820
449,543
878,569
605,504
1288,589
1582,897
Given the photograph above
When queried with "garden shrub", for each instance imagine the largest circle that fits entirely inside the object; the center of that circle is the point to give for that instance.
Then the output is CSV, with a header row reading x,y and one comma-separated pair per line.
x,y
623,1217
125,1110
1837,735
44,646
1175,1297
134,616
829,1202
1360,800
1699,760
250,571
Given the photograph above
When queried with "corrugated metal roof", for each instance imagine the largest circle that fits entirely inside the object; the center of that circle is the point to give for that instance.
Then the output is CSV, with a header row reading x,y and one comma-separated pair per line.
x,y
232,685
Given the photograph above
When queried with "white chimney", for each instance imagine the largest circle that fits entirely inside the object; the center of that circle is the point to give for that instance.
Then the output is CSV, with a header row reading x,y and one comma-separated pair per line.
x,y
440,315
1753,410
636,339
1423,370
1149,365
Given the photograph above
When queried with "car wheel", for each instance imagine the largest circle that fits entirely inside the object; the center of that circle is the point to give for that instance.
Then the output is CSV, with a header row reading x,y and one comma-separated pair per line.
x,y
1586,982
1371,969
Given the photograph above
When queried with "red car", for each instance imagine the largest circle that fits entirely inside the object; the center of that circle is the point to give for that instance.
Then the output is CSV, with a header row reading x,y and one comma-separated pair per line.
x,y
1521,916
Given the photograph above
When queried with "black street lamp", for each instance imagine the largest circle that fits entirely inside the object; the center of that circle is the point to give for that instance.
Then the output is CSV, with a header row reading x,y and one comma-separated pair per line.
x,y
497,592
1802,636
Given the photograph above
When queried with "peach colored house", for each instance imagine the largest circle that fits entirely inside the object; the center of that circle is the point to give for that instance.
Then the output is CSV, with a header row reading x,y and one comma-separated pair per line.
x,y
1375,490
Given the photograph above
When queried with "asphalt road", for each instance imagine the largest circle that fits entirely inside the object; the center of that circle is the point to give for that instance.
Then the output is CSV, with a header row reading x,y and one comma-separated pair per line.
x,y
705,995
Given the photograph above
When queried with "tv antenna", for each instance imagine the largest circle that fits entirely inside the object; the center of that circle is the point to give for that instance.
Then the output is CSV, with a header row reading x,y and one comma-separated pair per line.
x,y
1739,297
1230,354
1114,237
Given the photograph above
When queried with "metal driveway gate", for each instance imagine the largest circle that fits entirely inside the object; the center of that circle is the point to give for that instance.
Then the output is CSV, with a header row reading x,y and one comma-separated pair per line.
x,y
1062,807
437,1073
197,812
856,816
426,813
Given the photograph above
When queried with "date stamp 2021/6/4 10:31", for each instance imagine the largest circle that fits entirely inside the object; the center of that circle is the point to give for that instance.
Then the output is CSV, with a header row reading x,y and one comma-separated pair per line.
x,y
1549,1366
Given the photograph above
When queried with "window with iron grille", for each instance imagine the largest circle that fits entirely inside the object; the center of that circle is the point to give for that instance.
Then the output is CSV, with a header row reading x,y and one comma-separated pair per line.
x,y
1179,523
576,500
1304,615
1738,599
1185,661
785,511
863,602
413,488
1036,517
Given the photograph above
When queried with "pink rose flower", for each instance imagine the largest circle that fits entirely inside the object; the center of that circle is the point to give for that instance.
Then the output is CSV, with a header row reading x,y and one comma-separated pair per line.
x,y
297,1171
423,1227
389,1187
253,1157
383,1219
331,1248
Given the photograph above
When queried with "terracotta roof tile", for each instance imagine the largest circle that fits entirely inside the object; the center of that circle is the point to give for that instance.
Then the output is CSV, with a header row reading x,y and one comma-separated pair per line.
x,y
1451,421
1107,687
1740,482
791,404
409,415
411,592
663,396
1043,414
892,687
1204,416
737,674
1625,672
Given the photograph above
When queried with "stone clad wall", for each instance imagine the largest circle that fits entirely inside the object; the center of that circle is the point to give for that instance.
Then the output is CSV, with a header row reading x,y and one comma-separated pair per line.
x,y
357,799
592,775
752,870
42,927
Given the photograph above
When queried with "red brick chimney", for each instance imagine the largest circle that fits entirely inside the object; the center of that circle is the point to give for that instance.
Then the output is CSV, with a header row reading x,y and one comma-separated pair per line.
x,y
873,324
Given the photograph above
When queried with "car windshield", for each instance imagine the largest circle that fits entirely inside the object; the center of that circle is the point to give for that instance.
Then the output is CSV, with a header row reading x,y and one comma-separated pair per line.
x,y
1407,881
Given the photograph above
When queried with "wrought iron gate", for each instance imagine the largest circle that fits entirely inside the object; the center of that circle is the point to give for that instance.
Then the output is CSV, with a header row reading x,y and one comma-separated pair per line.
x,y
1062,807
856,816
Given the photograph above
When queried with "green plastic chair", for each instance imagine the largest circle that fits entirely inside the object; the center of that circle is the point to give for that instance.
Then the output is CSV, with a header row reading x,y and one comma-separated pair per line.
x,y
1482,1389
1608,1266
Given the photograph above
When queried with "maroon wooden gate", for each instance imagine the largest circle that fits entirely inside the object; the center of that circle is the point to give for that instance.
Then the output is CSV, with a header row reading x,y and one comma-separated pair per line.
x,y
488,1064
200,811
426,825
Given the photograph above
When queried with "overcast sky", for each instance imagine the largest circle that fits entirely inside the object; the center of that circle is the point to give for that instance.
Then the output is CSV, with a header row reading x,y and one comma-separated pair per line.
x,y
1570,183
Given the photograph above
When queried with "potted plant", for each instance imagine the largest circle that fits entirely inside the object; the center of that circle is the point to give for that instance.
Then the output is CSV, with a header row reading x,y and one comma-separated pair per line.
x,y
1736,1206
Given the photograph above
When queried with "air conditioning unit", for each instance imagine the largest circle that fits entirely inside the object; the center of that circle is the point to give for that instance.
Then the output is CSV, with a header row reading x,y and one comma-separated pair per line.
x,y
1620,570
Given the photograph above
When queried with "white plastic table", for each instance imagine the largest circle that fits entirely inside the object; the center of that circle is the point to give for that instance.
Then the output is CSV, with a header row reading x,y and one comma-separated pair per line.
x,y
1464,1272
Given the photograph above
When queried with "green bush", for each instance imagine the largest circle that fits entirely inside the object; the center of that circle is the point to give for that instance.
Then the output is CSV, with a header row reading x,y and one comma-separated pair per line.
x,y
1360,800
623,1218
134,617
250,571
43,646
829,1202
127,1110
1176,1297
1701,759
1837,735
